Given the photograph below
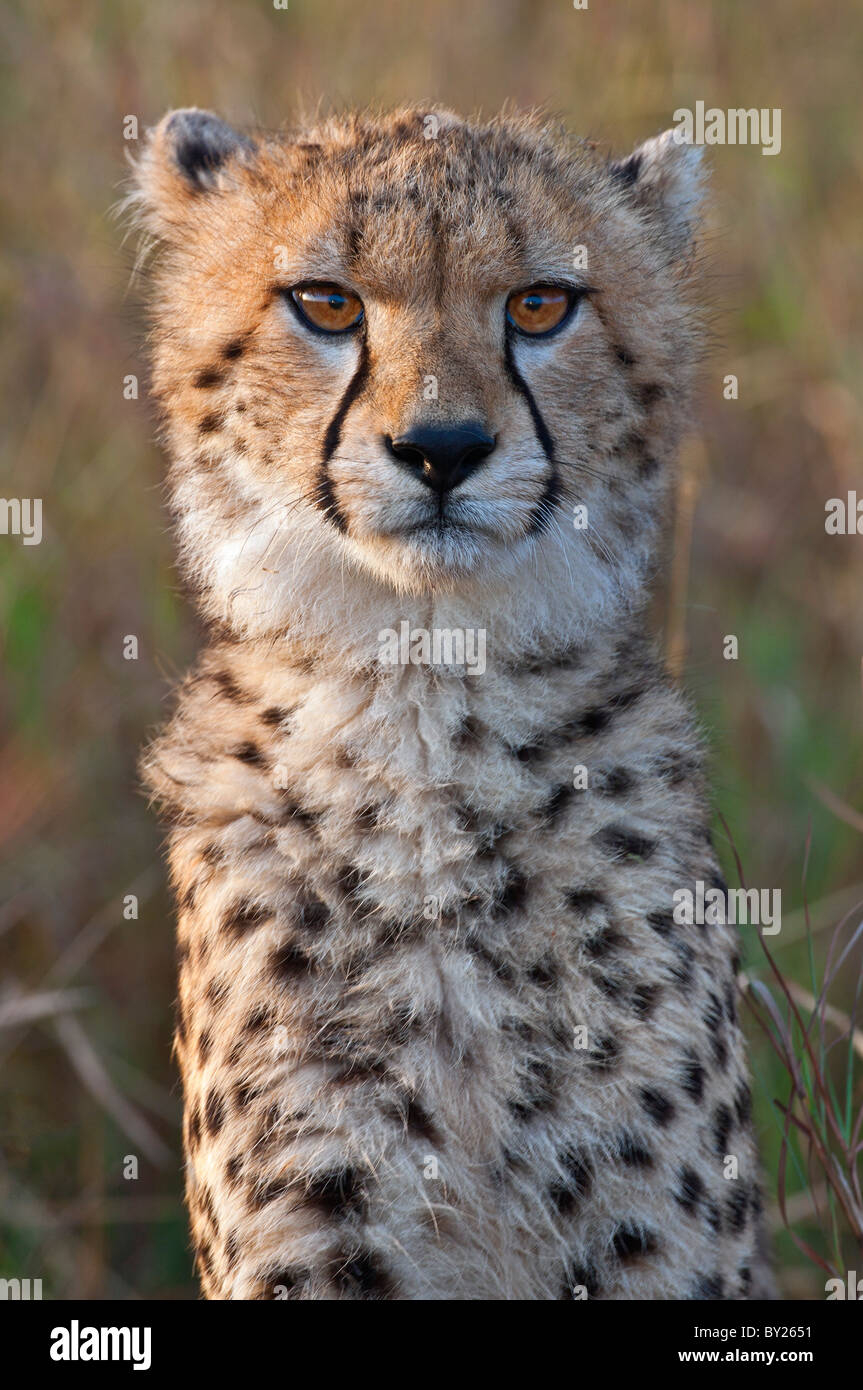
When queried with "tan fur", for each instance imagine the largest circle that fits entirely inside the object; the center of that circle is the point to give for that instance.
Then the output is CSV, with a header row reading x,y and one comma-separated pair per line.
x,y
397,916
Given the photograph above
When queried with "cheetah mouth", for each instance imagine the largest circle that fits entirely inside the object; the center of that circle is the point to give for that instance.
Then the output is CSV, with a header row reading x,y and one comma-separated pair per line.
x,y
442,524
439,526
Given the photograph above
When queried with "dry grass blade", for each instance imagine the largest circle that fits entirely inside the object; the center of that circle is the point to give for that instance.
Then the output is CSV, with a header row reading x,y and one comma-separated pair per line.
x,y
834,803
27,1008
89,1067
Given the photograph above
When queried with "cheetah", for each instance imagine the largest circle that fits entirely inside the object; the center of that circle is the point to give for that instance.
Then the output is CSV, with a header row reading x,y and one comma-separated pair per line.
x,y
429,792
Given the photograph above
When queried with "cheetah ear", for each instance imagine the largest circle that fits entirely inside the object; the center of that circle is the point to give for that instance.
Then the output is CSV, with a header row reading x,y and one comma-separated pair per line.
x,y
665,179
187,157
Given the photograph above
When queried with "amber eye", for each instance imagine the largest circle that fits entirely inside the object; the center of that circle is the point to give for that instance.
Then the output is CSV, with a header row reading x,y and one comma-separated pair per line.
x,y
539,309
328,308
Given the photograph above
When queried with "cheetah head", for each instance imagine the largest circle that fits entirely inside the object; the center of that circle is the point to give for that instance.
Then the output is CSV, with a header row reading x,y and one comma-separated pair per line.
x,y
418,353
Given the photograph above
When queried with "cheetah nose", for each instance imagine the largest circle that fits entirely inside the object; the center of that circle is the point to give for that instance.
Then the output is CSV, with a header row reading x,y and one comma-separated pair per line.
x,y
442,456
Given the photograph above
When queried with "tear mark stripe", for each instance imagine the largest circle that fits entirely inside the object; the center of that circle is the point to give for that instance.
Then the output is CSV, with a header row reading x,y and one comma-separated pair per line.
x,y
324,495
545,508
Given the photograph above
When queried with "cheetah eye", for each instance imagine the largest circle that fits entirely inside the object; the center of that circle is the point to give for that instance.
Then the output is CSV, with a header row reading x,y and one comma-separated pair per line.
x,y
540,308
327,308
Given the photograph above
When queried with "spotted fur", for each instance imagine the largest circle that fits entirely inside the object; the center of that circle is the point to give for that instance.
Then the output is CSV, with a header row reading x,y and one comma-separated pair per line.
x,y
439,1034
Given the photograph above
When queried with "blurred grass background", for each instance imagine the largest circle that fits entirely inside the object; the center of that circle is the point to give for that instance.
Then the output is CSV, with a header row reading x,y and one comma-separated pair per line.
x,y
87,1077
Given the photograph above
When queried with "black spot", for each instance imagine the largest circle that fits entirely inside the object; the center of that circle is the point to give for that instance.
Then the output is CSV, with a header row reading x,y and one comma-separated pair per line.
x,y
611,986
731,1002
737,1208
214,1112
605,1053
631,1241
539,1095
234,349
623,842
275,715
567,1191
217,991
268,1192
288,962
258,1020
229,687
691,1190
210,376
367,818
400,1025
209,423
528,752
624,356
674,767
743,1104
583,899
468,733
249,753
713,1215
745,1275
713,1013
658,1106
350,878
193,1127
693,1077
364,1274
543,972
722,1121
293,814
205,1045
650,393
601,942
467,819
710,1288
661,921
557,802
419,1123
616,781
644,999
243,1094
208,1210
632,1151
313,913
205,1259
232,1250
598,717
336,1193
511,896
233,1169
684,968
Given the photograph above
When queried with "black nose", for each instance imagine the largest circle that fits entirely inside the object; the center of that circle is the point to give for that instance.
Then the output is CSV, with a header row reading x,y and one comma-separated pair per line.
x,y
442,456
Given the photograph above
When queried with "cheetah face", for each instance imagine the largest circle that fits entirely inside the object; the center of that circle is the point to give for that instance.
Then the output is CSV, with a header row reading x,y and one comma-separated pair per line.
x,y
436,353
